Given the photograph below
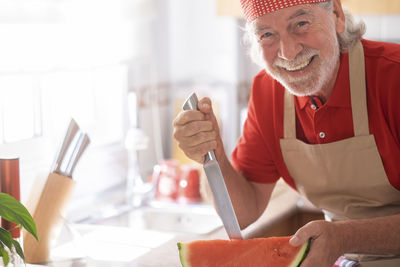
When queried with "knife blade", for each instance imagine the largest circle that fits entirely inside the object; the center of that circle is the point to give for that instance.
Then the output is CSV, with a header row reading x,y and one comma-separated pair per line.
x,y
73,128
217,184
80,147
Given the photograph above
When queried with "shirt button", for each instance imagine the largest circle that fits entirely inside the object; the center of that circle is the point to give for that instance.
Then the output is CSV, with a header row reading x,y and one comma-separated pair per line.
x,y
314,107
322,135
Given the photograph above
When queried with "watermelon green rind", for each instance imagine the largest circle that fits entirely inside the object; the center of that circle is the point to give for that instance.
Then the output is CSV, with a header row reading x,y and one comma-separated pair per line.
x,y
182,254
301,255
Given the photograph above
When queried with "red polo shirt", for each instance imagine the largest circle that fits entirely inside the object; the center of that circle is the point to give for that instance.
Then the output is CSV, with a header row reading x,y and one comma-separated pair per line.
x,y
258,155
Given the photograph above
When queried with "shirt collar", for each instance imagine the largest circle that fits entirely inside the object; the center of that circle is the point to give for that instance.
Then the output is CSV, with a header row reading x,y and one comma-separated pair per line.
x,y
340,96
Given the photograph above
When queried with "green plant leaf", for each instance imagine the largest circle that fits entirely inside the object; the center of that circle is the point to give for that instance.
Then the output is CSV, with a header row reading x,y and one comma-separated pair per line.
x,y
4,255
13,211
5,237
18,249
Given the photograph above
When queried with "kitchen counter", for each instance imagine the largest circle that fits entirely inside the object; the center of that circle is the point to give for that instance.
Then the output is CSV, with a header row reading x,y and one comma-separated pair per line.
x,y
284,215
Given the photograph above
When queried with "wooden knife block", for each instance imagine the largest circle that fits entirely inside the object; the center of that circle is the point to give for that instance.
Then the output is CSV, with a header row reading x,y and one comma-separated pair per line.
x,y
46,213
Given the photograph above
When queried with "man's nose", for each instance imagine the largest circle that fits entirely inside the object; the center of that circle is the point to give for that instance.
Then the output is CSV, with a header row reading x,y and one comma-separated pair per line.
x,y
289,48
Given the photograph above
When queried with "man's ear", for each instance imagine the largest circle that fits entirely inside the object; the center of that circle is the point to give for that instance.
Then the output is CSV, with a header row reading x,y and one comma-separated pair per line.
x,y
340,20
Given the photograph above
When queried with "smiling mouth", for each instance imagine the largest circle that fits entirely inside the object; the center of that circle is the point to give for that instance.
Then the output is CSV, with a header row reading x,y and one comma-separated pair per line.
x,y
300,66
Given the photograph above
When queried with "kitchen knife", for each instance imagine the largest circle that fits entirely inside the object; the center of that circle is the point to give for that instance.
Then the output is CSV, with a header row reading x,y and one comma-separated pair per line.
x,y
79,148
217,184
73,128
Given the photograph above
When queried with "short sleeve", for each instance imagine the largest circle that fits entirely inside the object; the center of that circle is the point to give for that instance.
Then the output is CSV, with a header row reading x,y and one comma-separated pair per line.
x,y
251,155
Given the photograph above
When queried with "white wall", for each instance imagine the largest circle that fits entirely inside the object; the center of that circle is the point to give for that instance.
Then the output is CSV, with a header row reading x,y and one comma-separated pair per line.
x,y
202,45
382,27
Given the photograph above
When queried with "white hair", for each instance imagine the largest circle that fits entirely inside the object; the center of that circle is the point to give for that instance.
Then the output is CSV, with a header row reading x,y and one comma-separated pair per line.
x,y
353,32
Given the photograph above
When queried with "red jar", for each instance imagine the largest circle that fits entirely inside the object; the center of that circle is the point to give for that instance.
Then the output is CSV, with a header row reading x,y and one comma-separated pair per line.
x,y
189,185
9,183
168,181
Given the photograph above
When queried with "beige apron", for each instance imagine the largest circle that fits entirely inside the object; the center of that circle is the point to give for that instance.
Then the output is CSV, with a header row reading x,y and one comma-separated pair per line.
x,y
345,179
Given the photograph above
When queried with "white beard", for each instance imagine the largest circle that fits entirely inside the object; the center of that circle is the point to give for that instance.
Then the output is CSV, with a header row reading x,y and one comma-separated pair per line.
x,y
321,74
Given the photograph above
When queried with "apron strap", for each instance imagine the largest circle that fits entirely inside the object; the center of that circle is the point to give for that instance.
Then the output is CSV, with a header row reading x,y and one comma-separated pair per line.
x,y
289,117
358,90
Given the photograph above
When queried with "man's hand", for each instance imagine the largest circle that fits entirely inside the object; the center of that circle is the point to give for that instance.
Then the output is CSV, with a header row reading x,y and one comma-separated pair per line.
x,y
197,132
326,243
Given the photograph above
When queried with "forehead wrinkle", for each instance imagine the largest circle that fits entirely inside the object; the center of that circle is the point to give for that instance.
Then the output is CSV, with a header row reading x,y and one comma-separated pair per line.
x,y
296,14
262,28
299,13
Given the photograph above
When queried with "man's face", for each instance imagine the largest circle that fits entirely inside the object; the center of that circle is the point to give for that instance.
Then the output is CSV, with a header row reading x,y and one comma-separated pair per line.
x,y
300,48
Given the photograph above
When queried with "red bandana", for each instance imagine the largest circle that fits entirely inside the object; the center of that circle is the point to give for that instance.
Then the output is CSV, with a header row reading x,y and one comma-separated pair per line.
x,y
253,9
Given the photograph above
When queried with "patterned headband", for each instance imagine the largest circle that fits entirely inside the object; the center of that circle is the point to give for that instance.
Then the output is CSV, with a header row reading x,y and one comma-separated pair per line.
x,y
253,9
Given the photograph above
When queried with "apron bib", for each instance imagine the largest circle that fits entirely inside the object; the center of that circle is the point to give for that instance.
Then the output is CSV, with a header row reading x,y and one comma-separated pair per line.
x,y
345,179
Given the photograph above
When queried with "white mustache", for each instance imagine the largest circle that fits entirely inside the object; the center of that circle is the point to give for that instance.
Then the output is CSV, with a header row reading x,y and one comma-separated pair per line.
x,y
300,59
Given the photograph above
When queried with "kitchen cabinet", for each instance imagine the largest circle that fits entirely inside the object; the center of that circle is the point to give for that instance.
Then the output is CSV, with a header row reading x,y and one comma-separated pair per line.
x,y
232,8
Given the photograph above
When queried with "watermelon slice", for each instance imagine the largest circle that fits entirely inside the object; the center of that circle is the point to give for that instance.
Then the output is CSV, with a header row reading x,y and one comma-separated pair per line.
x,y
271,251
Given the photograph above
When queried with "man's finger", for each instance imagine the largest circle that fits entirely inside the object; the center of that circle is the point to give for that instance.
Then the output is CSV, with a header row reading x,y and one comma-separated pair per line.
x,y
310,230
200,150
300,237
204,105
296,241
187,116
192,128
199,138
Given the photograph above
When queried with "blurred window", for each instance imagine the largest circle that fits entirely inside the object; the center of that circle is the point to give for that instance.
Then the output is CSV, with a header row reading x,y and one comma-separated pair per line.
x,y
61,60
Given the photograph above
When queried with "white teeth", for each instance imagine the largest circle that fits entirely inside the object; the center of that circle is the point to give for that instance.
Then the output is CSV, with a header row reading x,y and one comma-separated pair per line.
x,y
298,67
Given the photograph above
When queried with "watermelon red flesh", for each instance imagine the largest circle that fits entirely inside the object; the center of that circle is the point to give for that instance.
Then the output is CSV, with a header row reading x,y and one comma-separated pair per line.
x,y
272,251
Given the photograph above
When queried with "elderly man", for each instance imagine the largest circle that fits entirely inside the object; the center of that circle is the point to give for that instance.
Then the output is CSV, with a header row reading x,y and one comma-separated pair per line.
x,y
324,115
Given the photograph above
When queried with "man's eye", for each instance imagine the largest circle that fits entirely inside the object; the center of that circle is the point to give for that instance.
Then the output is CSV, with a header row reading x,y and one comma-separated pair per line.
x,y
266,35
302,23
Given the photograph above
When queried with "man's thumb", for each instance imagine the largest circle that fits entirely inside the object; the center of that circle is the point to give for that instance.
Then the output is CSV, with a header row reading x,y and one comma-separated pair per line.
x,y
204,105
299,238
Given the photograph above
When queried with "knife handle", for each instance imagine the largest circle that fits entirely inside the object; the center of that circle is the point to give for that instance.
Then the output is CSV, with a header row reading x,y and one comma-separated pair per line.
x,y
191,104
210,156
